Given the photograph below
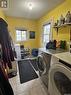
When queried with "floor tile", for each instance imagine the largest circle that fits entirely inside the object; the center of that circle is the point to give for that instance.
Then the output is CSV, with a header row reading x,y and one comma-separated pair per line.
x,y
33,87
25,93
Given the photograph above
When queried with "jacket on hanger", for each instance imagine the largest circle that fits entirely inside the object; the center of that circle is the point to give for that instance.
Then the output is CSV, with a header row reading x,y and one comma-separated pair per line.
x,y
7,52
5,87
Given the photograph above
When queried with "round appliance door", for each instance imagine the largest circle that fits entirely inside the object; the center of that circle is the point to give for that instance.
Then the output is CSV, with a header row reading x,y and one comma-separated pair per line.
x,y
59,80
41,65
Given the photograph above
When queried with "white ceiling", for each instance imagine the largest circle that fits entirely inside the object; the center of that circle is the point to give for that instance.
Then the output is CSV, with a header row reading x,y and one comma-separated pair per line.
x,y
19,8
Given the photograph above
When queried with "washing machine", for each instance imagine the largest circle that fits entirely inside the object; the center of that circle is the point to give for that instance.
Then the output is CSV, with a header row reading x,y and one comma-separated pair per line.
x,y
45,60
43,67
60,79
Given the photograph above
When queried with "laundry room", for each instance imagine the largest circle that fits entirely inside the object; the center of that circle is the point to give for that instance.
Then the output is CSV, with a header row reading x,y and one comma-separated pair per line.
x,y
35,47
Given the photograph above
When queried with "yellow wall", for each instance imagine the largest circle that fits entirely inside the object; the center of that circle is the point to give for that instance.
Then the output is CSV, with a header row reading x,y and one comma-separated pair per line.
x,y
54,15
36,25
30,25
2,14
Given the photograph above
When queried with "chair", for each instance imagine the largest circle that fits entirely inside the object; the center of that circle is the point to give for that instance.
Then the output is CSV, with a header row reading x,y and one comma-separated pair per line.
x,y
34,52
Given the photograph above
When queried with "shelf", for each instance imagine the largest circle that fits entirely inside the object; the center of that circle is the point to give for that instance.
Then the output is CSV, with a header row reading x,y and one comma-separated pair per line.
x,y
62,25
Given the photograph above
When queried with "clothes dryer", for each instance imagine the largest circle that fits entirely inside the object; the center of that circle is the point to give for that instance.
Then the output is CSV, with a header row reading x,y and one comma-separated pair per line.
x,y
59,79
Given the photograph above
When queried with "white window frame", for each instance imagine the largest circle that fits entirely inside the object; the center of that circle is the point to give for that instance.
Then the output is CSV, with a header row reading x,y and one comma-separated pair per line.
x,y
21,36
50,34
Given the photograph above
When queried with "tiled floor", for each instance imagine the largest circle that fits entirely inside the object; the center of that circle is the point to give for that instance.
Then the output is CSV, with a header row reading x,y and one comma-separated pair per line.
x,y
33,87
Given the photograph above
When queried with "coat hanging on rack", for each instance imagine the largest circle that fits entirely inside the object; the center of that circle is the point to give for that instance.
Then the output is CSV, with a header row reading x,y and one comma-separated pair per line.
x,y
5,87
7,52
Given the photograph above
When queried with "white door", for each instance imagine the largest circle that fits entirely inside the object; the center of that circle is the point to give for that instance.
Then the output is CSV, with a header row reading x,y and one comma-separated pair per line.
x,y
17,49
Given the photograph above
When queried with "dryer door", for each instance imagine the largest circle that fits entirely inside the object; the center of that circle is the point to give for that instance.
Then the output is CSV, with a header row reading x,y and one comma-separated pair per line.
x,y
59,80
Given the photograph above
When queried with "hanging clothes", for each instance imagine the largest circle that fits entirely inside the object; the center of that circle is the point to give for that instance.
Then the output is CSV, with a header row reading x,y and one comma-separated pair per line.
x,y
7,54
5,87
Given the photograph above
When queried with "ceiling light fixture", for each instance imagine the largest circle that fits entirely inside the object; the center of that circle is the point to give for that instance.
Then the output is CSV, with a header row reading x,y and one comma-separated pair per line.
x,y
30,6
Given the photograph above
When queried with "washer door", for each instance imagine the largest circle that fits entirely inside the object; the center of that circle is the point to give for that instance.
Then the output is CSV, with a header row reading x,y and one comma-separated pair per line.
x,y
41,65
59,80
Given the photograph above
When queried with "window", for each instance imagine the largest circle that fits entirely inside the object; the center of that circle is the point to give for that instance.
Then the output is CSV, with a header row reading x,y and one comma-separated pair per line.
x,y
46,33
21,35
